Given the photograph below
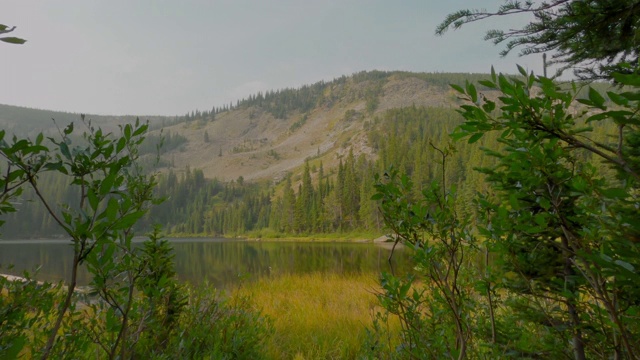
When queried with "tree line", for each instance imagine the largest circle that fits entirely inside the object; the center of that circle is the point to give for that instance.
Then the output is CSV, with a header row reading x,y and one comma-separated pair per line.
x,y
315,200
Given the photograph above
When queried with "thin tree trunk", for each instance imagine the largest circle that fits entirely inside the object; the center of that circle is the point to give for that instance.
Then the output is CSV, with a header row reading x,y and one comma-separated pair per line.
x,y
578,342
491,313
65,306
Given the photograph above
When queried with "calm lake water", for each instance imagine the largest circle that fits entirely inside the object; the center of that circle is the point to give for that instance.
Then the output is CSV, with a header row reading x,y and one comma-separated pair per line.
x,y
223,263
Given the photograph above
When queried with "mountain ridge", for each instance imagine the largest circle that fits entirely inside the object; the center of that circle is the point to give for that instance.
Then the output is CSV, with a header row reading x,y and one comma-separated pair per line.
x,y
249,141
266,136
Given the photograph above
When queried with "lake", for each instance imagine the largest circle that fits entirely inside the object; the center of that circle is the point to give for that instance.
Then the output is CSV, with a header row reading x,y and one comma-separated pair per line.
x,y
221,262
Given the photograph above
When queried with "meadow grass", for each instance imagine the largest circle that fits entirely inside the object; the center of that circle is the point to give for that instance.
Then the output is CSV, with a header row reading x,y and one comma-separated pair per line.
x,y
316,316
356,235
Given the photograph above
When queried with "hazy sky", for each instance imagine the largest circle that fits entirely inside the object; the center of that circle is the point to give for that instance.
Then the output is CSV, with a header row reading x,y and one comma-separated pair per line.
x,y
170,57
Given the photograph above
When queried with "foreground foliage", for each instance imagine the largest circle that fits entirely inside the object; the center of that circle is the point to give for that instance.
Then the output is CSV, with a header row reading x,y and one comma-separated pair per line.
x,y
556,273
209,324
134,307
593,38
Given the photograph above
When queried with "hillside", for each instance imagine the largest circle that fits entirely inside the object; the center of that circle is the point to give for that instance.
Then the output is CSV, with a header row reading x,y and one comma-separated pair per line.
x,y
269,135
241,168
23,121
260,138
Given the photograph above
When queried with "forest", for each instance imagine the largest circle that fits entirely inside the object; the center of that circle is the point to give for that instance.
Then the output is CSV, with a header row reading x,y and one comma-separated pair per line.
x,y
314,201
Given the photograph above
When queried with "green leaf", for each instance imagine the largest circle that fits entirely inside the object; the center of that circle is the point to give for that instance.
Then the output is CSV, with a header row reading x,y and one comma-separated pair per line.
x,y
522,71
457,88
20,145
14,347
34,149
112,321
489,106
545,203
541,219
475,137
14,175
617,98
112,209
632,96
105,258
107,184
597,117
93,199
585,102
625,265
121,143
579,184
69,129
513,201
68,219
482,286
471,90
581,130
404,289
596,98
505,86
56,166
141,130
128,220
487,83
457,135
535,229
13,40
623,117
615,193
64,149
532,80
627,79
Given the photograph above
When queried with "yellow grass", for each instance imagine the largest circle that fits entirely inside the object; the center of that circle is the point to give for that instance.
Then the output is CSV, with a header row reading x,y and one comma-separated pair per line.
x,y
350,236
316,316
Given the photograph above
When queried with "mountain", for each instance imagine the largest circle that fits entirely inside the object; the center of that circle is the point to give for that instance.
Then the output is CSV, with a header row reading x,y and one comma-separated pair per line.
x,y
290,161
270,135
23,121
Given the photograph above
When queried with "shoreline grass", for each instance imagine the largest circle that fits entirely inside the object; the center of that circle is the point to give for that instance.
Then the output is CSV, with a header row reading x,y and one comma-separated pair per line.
x,y
270,235
316,316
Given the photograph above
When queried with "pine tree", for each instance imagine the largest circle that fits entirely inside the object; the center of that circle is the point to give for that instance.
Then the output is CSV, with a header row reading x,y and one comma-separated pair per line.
x,y
594,38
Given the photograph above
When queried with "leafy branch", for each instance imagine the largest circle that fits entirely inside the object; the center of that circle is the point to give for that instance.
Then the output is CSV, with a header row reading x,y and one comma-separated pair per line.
x,y
4,29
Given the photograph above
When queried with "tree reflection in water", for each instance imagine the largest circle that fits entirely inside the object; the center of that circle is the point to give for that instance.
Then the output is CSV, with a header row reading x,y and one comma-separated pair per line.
x,y
222,263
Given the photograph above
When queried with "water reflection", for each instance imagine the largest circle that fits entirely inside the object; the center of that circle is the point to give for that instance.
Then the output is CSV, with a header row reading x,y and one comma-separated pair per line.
x,y
220,262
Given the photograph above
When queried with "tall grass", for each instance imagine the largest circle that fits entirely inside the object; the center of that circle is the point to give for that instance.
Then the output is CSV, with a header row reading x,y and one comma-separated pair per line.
x,y
316,316
355,235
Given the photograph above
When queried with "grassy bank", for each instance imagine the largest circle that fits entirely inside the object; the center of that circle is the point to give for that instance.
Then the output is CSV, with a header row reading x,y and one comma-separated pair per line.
x,y
359,236
316,316
268,234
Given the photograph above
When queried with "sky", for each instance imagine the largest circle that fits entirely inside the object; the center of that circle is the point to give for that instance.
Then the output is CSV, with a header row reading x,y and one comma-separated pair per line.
x,y
162,57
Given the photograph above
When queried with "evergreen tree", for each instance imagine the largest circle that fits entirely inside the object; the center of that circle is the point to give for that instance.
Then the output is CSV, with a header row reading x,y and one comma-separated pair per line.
x,y
594,38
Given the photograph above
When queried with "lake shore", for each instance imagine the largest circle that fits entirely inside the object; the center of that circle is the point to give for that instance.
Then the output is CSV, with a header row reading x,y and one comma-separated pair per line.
x,y
383,241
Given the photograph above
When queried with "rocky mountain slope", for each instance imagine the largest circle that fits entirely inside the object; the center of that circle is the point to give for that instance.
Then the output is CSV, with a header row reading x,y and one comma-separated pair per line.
x,y
249,141
268,135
